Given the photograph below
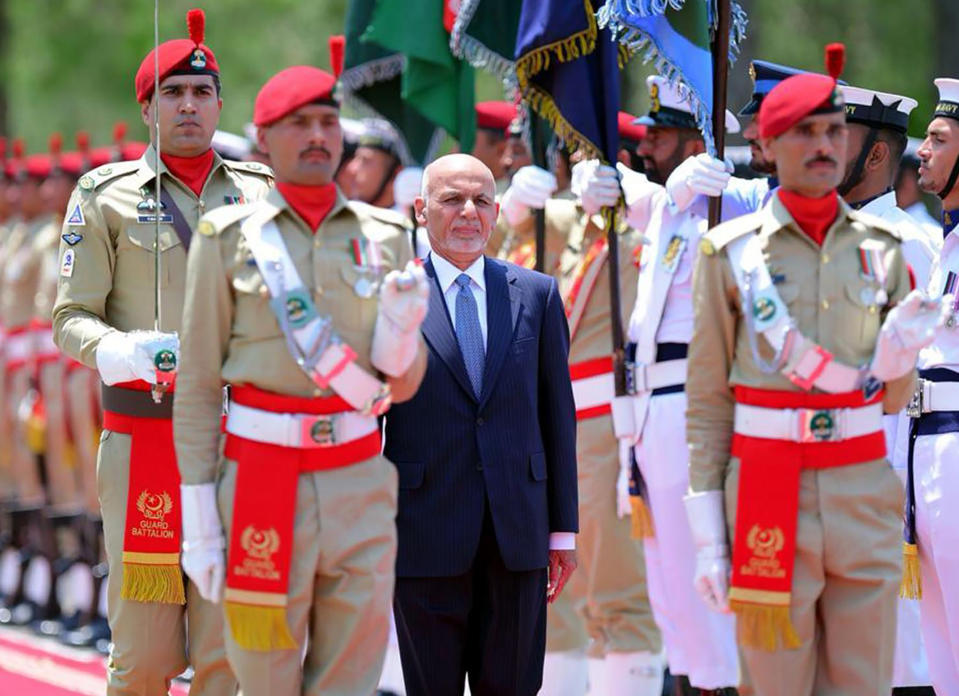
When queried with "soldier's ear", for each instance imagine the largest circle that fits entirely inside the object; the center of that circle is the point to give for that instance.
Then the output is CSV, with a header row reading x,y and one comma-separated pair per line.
x,y
878,155
261,141
145,113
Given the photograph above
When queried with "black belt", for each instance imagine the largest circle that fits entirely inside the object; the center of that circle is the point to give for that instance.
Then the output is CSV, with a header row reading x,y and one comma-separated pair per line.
x,y
138,404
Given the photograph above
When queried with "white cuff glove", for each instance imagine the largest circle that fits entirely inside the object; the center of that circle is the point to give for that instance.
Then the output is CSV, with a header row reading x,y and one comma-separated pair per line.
x,y
909,327
530,187
404,300
126,356
700,175
623,506
600,188
635,185
203,558
406,187
707,522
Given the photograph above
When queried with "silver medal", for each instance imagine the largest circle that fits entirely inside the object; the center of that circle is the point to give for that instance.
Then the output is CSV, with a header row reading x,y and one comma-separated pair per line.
x,y
363,287
868,296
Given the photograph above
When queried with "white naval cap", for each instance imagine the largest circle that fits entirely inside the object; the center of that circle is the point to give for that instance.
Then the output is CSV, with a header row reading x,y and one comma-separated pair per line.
x,y
670,109
948,105
877,109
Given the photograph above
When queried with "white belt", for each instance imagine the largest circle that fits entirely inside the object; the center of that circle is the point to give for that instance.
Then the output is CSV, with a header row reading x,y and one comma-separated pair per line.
x,y
302,430
43,343
18,347
933,396
590,392
646,378
807,424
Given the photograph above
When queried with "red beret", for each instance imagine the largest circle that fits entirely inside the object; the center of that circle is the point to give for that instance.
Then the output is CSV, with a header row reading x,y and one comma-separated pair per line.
x,y
179,56
495,115
38,166
73,163
629,130
290,89
802,95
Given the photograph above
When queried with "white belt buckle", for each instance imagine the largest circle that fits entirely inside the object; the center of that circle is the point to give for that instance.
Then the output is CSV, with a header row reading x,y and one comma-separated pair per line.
x,y
818,424
921,401
317,431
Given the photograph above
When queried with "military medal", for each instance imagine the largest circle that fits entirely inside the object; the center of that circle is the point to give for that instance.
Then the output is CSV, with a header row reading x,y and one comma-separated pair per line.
x,y
363,287
873,269
368,261
673,252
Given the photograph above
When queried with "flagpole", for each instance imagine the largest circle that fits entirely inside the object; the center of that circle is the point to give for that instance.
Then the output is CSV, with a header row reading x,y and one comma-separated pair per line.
x,y
615,303
720,51
538,152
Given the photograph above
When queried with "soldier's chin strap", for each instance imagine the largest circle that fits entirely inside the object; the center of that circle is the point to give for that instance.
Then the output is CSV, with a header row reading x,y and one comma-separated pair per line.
x,y
947,189
855,176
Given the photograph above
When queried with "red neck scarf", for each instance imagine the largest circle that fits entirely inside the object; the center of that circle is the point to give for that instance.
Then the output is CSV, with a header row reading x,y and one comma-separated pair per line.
x,y
813,215
312,203
192,171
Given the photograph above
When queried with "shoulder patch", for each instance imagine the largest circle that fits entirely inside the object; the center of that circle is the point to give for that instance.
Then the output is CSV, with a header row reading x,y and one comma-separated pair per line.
x,y
101,175
876,223
249,167
722,234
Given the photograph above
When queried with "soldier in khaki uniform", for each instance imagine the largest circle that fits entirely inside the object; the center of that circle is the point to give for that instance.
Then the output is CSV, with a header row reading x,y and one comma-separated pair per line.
x,y
281,304
790,304
104,304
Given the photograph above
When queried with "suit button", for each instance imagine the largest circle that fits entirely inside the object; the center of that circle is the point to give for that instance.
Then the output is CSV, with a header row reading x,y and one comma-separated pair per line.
x,y
480,421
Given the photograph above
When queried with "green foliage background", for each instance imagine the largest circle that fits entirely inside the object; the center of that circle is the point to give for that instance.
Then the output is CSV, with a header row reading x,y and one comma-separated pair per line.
x,y
69,64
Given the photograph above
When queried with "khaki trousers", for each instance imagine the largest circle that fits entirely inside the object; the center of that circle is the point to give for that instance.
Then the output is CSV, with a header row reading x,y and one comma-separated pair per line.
x,y
340,587
607,597
7,482
152,641
82,386
63,489
24,467
845,582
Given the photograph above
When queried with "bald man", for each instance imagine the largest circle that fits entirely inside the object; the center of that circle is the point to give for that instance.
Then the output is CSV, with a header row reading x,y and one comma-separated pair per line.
x,y
487,503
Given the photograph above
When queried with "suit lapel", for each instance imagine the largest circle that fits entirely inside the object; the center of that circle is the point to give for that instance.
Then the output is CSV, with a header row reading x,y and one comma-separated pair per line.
x,y
503,302
438,331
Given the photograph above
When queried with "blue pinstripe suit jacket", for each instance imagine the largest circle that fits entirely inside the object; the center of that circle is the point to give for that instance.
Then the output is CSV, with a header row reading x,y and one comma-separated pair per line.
x,y
514,446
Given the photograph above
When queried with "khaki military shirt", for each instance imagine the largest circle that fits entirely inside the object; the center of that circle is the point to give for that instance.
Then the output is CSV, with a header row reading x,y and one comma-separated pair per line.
x,y
107,277
46,254
826,294
21,273
230,334
518,244
592,337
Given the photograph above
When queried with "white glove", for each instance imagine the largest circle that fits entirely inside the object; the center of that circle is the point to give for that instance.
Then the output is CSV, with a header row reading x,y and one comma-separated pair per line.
x,y
203,558
404,300
698,175
126,356
634,184
909,327
623,506
600,188
406,187
707,522
530,187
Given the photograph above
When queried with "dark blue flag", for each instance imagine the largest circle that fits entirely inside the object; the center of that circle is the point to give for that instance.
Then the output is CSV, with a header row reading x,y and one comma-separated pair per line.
x,y
568,72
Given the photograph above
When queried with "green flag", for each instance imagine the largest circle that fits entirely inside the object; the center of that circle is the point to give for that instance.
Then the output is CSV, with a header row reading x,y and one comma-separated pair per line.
x,y
436,84
484,35
371,80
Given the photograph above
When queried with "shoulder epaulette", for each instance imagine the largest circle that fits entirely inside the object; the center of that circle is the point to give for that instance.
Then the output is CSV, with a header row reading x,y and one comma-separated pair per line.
x,y
95,178
876,223
257,168
220,218
724,233
391,217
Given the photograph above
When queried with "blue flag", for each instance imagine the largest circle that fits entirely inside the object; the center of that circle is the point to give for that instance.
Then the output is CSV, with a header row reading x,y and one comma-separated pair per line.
x,y
567,69
675,35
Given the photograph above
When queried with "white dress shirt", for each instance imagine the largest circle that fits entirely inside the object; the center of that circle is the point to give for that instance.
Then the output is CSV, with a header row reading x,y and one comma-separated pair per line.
x,y
446,275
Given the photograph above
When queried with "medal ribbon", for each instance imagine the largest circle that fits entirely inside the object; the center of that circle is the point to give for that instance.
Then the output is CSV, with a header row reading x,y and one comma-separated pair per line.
x,y
366,253
767,511
151,534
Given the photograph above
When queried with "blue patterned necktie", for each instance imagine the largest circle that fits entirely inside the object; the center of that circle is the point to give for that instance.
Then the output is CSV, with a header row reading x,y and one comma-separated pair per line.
x,y
468,333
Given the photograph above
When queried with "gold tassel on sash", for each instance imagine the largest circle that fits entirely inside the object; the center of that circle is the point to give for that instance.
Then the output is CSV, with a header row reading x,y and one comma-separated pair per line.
x,y
257,627
763,626
641,518
911,586
152,583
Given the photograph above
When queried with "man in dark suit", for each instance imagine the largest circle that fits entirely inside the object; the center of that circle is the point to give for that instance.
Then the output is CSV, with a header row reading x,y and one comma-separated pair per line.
x,y
486,457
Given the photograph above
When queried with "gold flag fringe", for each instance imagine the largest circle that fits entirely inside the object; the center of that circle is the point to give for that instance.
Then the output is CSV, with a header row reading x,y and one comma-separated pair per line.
x,y
259,628
763,626
153,583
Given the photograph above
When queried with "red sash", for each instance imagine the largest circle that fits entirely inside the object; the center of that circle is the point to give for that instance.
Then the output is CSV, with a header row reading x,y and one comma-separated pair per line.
x,y
151,535
264,506
767,511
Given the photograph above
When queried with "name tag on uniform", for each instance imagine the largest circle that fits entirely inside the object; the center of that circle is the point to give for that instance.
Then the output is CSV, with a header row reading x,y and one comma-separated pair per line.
x,y
153,218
